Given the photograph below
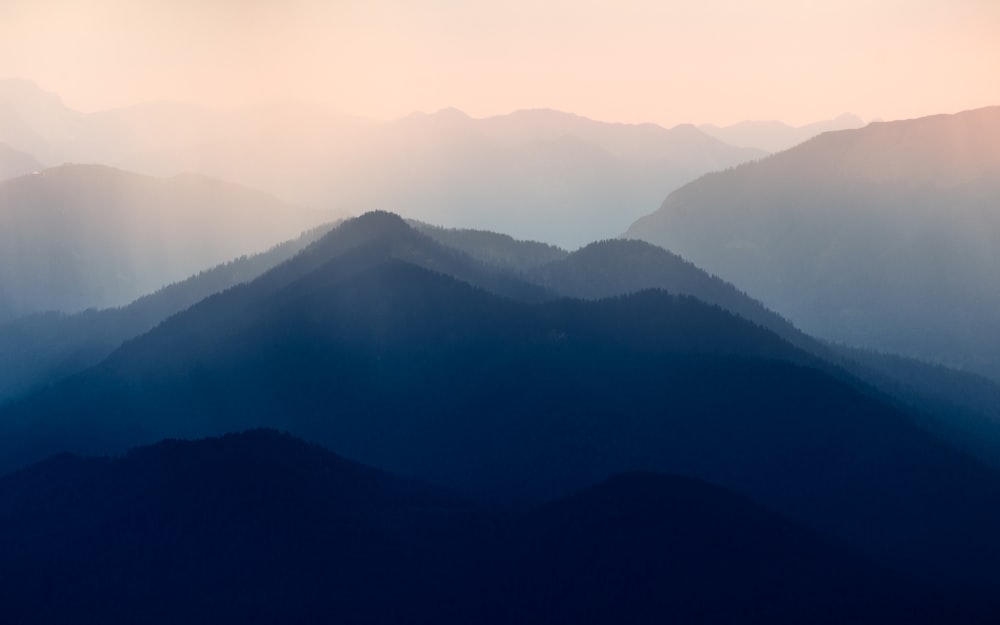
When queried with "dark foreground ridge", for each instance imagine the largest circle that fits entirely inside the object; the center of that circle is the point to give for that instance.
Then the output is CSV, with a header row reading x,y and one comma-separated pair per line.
x,y
260,527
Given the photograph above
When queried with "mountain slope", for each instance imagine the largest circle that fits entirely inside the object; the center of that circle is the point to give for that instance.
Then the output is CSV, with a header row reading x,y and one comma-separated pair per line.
x,y
42,348
500,250
885,237
618,267
958,406
82,236
260,527
256,527
356,344
14,163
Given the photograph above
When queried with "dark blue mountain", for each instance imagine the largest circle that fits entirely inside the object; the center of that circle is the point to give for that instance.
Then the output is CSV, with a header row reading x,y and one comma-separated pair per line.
x,y
374,340
260,527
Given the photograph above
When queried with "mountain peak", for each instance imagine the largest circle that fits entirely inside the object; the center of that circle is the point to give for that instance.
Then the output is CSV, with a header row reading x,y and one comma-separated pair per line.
x,y
377,223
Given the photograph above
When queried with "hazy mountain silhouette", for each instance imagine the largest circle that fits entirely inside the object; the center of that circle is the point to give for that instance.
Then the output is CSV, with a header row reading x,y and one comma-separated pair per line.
x,y
261,527
14,163
962,408
81,236
37,122
884,237
537,174
775,136
541,175
618,267
42,348
500,250
355,343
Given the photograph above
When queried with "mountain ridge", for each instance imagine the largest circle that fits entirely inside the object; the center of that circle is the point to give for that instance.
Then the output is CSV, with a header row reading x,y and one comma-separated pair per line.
x,y
869,237
261,526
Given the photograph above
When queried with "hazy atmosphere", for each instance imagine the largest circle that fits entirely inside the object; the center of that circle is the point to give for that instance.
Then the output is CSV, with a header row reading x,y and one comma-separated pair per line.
x,y
667,62
500,313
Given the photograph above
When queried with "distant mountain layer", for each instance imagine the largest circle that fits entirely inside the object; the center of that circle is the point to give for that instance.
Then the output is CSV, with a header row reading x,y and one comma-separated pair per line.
x,y
14,163
775,136
886,237
541,175
538,174
418,359
82,236
259,527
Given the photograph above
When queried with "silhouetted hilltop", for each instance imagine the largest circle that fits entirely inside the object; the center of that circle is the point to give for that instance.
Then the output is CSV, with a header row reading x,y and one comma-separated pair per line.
x,y
883,237
260,527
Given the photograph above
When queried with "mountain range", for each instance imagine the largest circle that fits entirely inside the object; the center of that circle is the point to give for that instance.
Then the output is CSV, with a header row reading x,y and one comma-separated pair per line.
x,y
418,359
535,174
355,544
547,425
775,136
885,237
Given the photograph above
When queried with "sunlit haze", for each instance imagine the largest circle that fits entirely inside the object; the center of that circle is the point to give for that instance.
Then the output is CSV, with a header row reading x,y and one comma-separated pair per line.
x,y
669,62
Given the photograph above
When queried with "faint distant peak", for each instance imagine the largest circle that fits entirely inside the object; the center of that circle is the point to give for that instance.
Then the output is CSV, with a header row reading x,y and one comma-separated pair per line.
x,y
445,115
849,118
776,136
24,91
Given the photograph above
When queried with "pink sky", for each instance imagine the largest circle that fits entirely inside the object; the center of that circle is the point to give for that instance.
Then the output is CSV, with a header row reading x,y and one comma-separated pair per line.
x,y
717,61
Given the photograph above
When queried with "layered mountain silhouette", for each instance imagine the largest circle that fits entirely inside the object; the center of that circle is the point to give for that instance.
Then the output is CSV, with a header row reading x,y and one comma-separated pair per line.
x,y
86,236
884,237
260,527
537,174
418,359
961,407
543,175
775,136
42,348
37,122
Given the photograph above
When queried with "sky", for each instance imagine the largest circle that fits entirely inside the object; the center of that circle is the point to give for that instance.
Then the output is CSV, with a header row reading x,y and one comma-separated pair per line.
x,y
667,62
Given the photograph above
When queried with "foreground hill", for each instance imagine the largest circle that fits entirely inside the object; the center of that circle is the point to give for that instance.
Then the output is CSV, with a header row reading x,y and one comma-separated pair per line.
x,y
260,528
886,237
83,236
375,340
